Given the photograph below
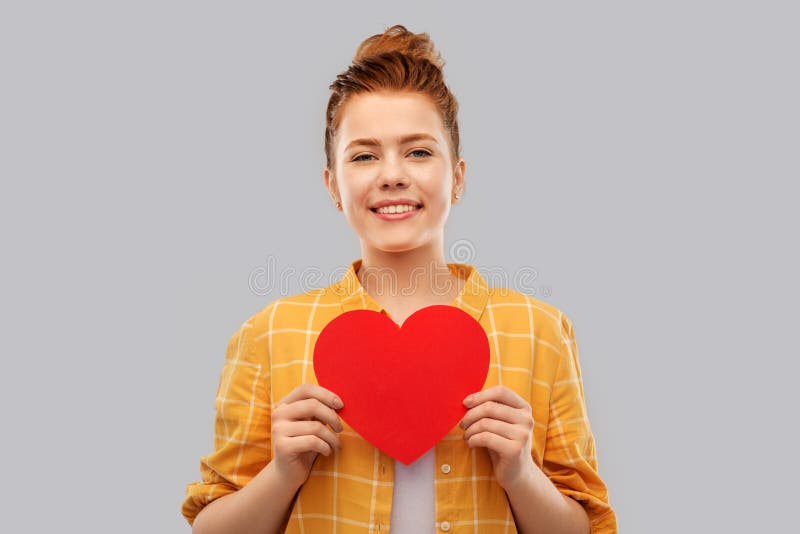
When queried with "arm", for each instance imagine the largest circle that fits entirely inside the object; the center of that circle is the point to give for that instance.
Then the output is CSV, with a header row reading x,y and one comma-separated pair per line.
x,y
539,507
304,425
570,456
261,456
262,506
565,495
501,421
238,489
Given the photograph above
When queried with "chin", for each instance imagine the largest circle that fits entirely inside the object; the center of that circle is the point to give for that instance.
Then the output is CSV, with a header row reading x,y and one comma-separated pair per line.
x,y
396,246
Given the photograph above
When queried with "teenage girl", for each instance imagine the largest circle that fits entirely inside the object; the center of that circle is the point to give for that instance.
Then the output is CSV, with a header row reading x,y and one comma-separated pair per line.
x,y
523,459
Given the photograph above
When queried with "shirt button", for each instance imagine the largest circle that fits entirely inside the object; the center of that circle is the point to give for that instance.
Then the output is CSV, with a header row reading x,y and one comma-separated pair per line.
x,y
445,468
445,526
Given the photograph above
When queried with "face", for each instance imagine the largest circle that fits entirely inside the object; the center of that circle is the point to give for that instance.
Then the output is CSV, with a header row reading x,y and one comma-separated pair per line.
x,y
390,147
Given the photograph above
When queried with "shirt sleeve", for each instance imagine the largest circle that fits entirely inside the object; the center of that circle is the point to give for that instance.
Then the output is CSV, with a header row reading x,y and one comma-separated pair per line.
x,y
242,441
570,457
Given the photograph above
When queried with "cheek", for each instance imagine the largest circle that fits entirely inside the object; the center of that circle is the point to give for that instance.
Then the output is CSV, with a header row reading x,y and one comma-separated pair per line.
x,y
436,181
439,193
354,188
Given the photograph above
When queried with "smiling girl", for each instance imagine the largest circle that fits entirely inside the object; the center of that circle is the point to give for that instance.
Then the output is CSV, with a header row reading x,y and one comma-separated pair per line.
x,y
523,458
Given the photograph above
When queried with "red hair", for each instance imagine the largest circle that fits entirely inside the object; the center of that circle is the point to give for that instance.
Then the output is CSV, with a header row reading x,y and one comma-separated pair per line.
x,y
395,60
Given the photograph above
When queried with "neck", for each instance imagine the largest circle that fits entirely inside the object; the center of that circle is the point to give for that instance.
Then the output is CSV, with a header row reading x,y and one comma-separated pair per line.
x,y
421,273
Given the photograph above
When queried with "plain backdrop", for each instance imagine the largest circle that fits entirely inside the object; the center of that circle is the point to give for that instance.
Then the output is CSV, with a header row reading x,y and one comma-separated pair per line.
x,y
640,158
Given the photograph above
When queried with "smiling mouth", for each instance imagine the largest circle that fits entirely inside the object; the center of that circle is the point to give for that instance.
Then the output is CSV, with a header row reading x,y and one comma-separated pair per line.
x,y
375,210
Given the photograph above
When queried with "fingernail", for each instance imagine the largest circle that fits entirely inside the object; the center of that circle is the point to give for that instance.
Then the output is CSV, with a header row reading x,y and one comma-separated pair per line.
x,y
461,424
469,399
337,403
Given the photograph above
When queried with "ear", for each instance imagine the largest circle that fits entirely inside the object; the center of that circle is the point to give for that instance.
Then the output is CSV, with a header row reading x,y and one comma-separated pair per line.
x,y
459,177
330,184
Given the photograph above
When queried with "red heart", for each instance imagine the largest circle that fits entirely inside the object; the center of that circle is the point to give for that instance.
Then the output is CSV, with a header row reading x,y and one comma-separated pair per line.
x,y
403,387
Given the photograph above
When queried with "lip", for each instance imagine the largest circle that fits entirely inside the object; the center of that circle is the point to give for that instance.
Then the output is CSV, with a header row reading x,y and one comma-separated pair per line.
x,y
394,202
397,216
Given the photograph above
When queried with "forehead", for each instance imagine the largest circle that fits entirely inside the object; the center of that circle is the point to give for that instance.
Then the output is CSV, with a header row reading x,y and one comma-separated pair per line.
x,y
388,116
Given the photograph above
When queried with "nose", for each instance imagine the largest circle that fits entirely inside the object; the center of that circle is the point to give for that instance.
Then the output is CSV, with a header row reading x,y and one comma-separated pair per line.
x,y
393,177
398,183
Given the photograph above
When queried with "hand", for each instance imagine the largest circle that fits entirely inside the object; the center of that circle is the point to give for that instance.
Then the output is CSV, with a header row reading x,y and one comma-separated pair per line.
x,y
502,421
303,425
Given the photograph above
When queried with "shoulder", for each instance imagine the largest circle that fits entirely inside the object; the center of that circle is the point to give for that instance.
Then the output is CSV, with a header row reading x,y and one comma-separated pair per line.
x,y
293,311
520,311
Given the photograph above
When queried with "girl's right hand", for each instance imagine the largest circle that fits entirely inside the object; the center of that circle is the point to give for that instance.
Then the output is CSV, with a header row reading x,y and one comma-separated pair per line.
x,y
303,425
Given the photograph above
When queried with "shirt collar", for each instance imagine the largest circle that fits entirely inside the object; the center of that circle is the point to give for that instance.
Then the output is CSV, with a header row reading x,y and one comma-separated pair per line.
x,y
472,298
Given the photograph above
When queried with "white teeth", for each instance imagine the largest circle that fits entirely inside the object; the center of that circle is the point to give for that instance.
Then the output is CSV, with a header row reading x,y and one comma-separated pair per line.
x,y
396,209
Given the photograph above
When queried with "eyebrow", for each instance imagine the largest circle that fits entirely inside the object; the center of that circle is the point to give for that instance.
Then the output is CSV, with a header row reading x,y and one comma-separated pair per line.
x,y
371,141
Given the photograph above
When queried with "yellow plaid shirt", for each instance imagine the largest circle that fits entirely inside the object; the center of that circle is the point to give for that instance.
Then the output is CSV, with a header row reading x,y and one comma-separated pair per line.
x,y
533,352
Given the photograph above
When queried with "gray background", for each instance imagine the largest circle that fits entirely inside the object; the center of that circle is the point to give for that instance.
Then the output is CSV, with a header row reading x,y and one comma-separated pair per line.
x,y
640,157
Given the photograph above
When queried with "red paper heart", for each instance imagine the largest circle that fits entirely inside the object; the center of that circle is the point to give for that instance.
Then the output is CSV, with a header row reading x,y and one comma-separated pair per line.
x,y
403,387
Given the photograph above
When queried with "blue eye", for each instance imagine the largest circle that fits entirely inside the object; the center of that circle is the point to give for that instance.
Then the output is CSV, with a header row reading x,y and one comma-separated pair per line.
x,y
424,153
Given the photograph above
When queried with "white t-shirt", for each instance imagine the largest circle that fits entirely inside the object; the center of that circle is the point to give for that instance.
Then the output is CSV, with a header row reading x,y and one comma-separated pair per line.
x,y
413,497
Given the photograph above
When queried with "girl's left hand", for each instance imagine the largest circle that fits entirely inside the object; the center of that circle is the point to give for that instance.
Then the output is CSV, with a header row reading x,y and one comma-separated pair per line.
x,y
500,420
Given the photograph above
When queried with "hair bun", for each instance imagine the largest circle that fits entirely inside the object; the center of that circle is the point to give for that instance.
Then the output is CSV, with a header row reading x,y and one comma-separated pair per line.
x,y
398,39
395,60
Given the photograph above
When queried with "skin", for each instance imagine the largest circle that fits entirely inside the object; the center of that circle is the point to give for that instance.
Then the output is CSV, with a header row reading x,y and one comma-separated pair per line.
x,y
500,420
305,422
412,251
497,418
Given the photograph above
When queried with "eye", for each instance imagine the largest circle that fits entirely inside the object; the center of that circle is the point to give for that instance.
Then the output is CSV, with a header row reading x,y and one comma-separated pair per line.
x,y
424,152
358,158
